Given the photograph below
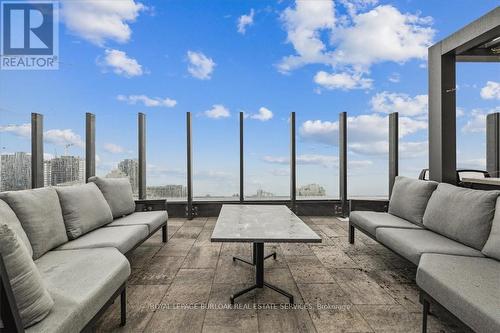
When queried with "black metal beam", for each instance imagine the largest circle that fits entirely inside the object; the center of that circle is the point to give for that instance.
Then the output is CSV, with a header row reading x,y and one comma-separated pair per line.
x,y
493,144
476,33
89,145
442,116
293,163
393,149
343,163
142,155
189,159
242,161
36,150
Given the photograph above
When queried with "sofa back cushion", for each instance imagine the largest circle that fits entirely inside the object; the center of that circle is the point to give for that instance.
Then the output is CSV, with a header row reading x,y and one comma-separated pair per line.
x,y
84,209
118,194
40,215
492,246
461,214
7,216
409,198
32,298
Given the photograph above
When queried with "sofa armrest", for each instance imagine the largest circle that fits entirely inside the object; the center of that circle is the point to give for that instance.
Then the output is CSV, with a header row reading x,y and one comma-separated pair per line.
x,y
371,205
147,205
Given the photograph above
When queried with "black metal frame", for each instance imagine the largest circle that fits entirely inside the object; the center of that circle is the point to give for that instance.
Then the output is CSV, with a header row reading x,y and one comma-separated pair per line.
x,y
427,300
258,262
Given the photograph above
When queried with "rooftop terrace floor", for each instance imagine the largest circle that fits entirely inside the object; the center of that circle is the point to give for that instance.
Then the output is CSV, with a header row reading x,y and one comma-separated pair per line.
x,y
338,287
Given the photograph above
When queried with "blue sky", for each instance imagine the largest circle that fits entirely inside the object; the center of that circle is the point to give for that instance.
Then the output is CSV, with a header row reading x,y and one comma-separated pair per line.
x,y
264,58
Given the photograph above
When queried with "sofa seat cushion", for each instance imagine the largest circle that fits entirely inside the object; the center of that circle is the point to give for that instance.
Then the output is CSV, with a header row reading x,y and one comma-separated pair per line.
x,y
118,194
80,282
461,214
370,221
8,217
84,208
467,287
409,198
411,244
123,238
153,219
40,215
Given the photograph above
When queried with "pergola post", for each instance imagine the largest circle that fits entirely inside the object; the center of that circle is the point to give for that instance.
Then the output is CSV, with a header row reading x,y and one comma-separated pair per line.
x,y
242,179
442,116
493,144
36,150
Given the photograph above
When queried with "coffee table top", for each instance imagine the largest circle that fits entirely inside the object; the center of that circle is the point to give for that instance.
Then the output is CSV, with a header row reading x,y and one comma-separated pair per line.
x,y
261,223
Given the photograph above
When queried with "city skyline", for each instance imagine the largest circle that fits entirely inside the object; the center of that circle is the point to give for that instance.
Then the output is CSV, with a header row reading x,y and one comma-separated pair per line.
x,y
275,62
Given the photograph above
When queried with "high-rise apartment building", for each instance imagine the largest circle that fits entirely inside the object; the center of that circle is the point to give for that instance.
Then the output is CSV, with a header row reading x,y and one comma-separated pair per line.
x,y
15,171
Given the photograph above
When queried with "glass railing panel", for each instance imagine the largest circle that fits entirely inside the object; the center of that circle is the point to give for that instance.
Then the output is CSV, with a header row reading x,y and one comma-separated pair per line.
x,y
166,155
116,146
216,155
267,158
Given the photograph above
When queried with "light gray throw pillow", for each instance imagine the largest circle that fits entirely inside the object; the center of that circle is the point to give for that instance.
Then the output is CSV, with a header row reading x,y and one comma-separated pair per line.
x,y
8,217
461,214
118,194
492,246
84,209
40,215
409,198
32,298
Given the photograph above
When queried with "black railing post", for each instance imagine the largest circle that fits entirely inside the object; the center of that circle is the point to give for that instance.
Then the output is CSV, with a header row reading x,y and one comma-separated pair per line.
x,y
89,146
142,155
493,144
293,164
242,161
36,150
393,149
343,163
189,159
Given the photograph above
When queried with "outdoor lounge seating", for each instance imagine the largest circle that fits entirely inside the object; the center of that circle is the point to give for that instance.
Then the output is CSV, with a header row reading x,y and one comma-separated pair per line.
x,y
78,238
453,240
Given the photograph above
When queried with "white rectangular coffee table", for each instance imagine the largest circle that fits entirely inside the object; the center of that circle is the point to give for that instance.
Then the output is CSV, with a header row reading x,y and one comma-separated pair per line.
x,y
259,224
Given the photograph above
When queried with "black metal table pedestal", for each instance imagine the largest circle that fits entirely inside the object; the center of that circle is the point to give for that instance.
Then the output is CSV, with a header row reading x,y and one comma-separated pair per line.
x,y
254,253
258,262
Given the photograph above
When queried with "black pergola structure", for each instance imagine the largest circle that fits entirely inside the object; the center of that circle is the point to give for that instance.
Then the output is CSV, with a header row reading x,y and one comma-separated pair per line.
x,y
479,41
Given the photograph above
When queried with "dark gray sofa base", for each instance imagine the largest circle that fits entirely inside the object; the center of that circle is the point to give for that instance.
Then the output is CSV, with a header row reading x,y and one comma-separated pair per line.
x,y
8,309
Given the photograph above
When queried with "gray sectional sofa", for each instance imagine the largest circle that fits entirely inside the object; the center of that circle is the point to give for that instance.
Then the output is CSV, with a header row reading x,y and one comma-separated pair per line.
x,y
453,235
63,252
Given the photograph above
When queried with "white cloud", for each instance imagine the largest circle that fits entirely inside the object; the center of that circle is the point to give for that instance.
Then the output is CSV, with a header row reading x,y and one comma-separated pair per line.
x,y
147,101
245,21
121,63
367,134
304,24
98,21
217,111
63,137
476,122
386,102
113,148
264,114
200,66
327,161
394,77
343,81
356,42
491,90
59,137
23,130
